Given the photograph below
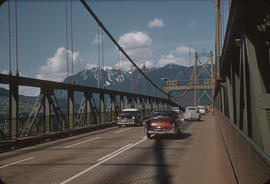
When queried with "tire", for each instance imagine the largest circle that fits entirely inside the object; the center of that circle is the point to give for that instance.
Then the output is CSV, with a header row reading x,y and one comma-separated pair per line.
x,y
119,126
148,135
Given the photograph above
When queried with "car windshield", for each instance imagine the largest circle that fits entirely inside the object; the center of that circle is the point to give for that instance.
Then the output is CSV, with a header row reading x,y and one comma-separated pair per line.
x,y
125,115
167,114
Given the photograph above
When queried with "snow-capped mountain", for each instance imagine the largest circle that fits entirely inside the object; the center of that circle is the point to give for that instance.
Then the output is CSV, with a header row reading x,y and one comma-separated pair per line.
x,y
117,79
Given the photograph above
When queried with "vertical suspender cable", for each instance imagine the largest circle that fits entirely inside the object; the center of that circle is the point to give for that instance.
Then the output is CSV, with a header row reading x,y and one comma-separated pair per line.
x,y
66,3
102,61
71,40
9,40
98,40
16,24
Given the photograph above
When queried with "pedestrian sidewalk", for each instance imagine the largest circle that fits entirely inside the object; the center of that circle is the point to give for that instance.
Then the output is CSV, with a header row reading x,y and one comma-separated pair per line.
x,y
206,162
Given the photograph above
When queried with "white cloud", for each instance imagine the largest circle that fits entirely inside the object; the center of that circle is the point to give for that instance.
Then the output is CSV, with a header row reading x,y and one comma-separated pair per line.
x,y
5,72
181,50
192,24
170,58
179,55
156,23
89,66
137,45
56,66
97,39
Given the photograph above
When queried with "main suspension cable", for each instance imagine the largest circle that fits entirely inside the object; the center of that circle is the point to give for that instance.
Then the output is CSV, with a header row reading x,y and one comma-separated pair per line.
x,y
119,47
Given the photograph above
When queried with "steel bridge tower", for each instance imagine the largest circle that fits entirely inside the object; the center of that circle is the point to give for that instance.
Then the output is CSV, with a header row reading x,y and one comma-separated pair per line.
x,y
201,80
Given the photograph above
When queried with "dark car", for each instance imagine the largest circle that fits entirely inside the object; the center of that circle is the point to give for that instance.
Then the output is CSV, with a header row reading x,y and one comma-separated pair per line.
x,y
129,117
164,121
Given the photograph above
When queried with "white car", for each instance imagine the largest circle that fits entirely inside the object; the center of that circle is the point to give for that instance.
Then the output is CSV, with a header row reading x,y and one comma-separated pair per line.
x,y
202,109
192,113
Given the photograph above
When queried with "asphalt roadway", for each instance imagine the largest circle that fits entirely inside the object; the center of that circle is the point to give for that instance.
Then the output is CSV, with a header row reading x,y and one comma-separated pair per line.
x,y
112,155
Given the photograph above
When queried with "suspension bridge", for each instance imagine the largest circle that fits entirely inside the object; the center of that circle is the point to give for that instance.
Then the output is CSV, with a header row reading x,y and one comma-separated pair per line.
x,y
231,144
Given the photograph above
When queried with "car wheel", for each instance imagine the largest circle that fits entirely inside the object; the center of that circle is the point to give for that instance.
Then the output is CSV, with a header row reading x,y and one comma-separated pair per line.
x,y
119,126
148,135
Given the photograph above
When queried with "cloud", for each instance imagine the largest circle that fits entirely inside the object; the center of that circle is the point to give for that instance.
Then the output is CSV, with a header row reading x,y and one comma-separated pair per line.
x,y
137,45
192,24
97,39
89,66
170,58
179,55
56,66
181,50
156,23
5,72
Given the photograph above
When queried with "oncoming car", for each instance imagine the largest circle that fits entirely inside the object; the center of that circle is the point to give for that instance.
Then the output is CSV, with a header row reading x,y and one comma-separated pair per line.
x,y
192,113
164,121
130,116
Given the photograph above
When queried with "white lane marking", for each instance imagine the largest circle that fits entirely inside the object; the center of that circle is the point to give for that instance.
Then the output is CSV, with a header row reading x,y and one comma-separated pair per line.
x,y
122,130
16,162
82,142
113,152
144,137
97,164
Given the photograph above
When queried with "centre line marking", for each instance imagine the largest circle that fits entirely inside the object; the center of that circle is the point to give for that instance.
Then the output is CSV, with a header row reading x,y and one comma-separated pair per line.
x,y
82,142
97,164
113,152
122,130
16,162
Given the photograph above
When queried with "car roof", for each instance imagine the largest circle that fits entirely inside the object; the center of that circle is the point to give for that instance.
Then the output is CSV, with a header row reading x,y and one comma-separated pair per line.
x,y
131,109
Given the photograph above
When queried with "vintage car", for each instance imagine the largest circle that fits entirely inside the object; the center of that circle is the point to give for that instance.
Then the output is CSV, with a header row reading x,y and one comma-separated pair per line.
x,y
128,117
164,121
192,113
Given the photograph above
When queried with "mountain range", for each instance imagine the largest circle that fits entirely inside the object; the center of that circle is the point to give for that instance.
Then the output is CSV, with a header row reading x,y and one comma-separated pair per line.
x,y
129,81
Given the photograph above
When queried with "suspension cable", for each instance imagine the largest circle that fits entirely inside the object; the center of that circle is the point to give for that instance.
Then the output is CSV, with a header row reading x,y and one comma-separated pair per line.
x,y
102,61
16,25
119,47
71,40
9,39
66,3
98,44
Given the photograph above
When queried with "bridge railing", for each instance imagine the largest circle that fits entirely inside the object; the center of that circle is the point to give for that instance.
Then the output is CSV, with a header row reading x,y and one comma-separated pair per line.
x,y
242,95
49,117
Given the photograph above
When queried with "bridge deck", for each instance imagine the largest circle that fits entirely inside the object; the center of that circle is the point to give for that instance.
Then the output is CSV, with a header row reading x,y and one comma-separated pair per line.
x,y
198,156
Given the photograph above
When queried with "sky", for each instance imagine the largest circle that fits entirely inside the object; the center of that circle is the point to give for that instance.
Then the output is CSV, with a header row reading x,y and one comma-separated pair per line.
x,y
153,32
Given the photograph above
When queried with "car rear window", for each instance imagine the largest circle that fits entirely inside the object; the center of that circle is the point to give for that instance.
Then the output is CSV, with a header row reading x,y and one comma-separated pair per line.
x,y
169,114
192,108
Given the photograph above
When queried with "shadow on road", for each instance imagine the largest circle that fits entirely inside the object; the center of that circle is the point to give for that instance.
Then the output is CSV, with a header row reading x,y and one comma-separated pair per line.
x,y
162,174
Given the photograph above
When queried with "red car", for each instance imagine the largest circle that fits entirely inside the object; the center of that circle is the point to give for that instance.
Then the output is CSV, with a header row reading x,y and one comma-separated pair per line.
x,y
164,121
